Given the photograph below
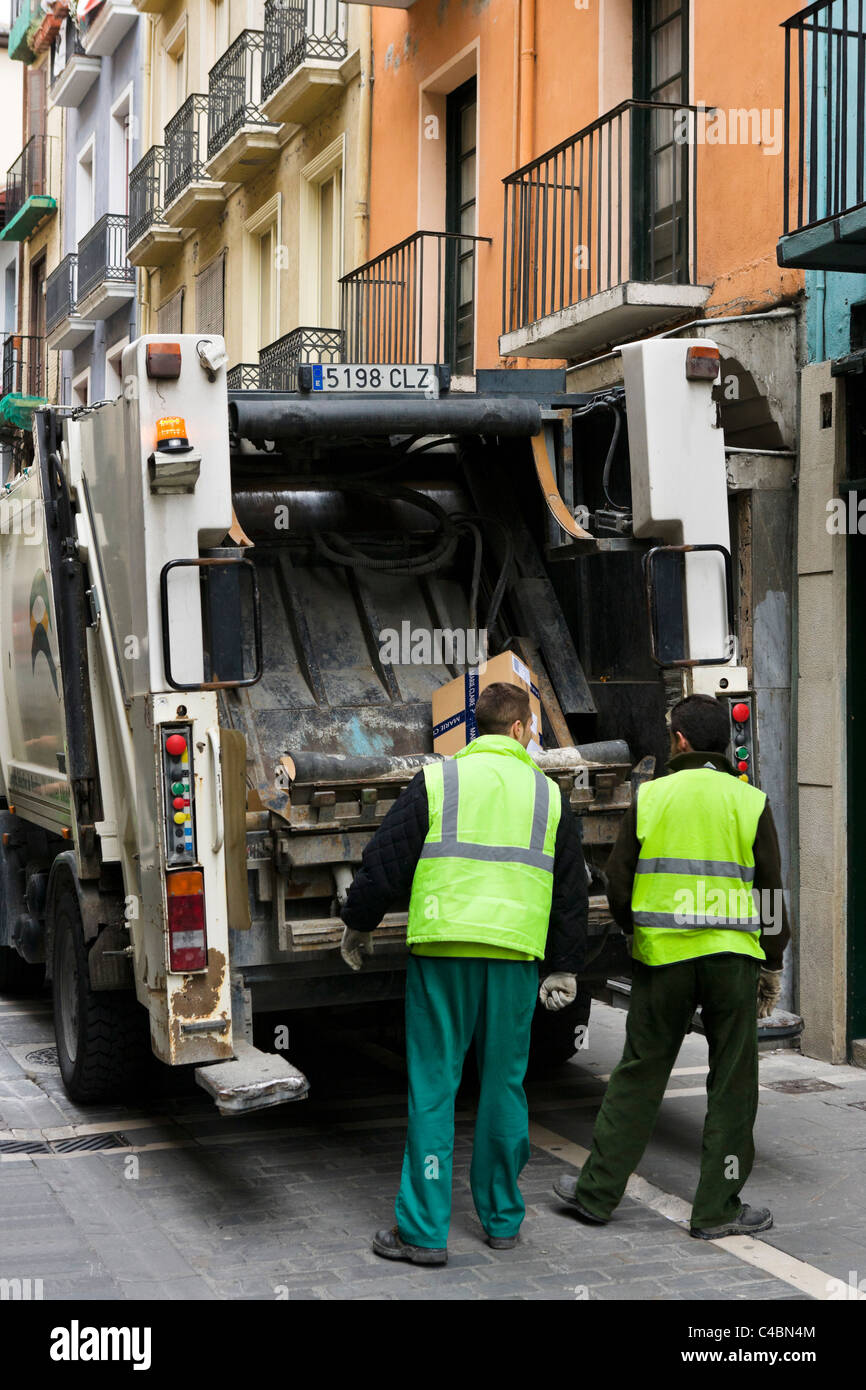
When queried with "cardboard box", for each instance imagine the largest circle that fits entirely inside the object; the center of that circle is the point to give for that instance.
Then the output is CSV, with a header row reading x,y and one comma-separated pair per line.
x,y
454,704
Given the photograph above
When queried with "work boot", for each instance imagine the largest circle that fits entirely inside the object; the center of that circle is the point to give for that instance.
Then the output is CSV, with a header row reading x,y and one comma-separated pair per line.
x,y
566,1188
391,1247
503,1242
749,1221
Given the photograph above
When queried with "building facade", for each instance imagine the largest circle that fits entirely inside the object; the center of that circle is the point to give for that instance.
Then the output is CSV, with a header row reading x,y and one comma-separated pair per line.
x,y
250,199
823,212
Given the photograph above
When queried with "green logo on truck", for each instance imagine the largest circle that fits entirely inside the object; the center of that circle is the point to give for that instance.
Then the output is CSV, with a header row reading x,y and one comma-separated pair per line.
x,y
40,625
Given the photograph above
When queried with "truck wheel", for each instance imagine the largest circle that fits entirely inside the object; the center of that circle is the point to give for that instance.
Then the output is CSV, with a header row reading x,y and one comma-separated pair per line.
x,y
555,1036
17,976
103,1045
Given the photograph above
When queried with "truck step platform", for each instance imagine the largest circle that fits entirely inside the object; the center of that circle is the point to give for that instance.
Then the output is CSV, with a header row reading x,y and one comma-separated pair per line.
x,y
252,1080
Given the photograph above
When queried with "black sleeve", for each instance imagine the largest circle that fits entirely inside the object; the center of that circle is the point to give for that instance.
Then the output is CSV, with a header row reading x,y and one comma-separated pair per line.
x,y
569,910
389,860
775,931
620,870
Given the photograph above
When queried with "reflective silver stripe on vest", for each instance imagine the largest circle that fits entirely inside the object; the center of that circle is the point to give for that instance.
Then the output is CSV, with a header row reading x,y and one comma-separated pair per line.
x,y
697,868
676,921
449,847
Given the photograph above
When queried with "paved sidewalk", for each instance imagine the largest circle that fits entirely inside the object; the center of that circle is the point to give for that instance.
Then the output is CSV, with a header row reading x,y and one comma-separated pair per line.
x,y
282,1204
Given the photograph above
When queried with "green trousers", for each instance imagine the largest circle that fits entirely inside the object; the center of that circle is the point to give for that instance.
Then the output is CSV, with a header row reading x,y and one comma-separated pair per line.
x,y
663,1000
451,1001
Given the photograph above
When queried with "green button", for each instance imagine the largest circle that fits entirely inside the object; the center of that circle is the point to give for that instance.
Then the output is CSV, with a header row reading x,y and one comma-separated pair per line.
x,y
742,752
178,787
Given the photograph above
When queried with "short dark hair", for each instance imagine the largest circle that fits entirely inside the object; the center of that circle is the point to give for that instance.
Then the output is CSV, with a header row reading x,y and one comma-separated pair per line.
x,y
703,720
499,705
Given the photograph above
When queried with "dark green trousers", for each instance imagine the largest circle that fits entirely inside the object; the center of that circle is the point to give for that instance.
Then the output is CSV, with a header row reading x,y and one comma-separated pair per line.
x,y
451,1002
663,1000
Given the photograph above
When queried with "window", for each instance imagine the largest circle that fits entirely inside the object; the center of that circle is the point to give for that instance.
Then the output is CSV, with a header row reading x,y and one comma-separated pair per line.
x,y
209,297
321,238
33,351
460,207
219,30
81,388
660,165
10,299
84,186
174,67
120,137
261,272
114,369
169,316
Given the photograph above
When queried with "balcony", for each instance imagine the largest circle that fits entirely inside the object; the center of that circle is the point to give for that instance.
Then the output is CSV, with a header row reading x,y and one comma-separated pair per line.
x,y
192,198
52,23
64,326
151,240
241,142
304,58
244,376
152,6
600,237
104,24
279,361
73,73
414,303
825,140
28,200
23,381
26,19
106,280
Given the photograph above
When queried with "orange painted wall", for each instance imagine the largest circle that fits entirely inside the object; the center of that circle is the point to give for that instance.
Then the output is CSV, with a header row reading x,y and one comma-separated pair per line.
x,y
738,62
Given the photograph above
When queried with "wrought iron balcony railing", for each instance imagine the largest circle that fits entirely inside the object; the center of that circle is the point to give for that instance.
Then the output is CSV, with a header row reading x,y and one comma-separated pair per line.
x,y
186,146
295,33
235,90
102,255
60,292
243,376
413,303
67,45
28,176
615,202
146,193
23,365
825,96
279,361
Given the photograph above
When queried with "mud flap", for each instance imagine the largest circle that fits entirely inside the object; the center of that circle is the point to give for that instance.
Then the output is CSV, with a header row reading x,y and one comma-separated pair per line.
x,y
252,1080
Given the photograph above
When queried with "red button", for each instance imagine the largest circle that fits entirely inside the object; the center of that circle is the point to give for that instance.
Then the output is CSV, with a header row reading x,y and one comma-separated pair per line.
x,y
176,744
181,801
741,767
740,713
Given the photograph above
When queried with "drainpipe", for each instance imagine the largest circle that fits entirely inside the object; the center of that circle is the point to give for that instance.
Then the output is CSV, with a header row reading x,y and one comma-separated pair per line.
x,y
527,80
144,273
820,302
365,126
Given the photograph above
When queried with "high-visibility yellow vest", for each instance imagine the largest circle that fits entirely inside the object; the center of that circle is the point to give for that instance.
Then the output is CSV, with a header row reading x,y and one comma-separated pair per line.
x,y
692,893
485,874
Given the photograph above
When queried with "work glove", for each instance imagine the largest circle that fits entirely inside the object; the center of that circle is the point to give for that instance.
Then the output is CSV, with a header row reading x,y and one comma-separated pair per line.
x,y
558,990
769,990
353,946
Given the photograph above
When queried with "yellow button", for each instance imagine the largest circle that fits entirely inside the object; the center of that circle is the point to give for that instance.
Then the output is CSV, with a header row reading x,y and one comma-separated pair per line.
x,y
179,817
744,777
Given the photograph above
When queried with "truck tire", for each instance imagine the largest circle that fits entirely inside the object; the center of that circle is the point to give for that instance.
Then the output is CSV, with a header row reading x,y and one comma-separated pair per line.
x,y
103,1045
555,1036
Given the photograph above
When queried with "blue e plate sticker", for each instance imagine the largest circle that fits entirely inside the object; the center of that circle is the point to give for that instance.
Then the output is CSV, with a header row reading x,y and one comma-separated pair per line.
x,y
317,378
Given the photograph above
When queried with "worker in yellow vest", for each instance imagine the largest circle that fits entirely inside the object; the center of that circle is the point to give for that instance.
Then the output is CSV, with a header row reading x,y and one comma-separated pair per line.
x,y
487,850
695,875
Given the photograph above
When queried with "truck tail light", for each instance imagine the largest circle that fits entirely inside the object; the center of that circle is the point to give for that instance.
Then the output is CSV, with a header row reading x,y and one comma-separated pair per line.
x,y
187,930
702,363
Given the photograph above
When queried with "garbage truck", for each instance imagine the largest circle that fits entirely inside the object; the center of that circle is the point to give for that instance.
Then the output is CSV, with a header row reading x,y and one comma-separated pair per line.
x,y
202,723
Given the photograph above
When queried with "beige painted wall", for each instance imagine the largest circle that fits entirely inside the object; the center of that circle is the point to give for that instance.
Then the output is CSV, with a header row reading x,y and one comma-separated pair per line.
x,y
821,767
48,237
283,181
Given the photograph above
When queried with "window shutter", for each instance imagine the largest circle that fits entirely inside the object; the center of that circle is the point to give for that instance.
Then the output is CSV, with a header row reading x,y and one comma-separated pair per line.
x,y
209,285
169,316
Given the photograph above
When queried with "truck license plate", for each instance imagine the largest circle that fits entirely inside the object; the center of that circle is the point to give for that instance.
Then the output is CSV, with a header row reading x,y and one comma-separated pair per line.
x,y
376,377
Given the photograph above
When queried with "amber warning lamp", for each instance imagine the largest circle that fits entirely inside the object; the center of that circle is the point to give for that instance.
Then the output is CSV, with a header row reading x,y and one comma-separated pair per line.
x,y
171,436
163,361
702,363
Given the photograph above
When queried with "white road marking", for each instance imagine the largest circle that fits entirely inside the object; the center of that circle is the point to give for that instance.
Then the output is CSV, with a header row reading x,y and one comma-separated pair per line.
x,y
804,1277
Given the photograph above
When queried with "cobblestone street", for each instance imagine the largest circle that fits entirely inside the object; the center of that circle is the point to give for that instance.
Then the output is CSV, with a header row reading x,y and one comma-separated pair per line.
x,y
186,1205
